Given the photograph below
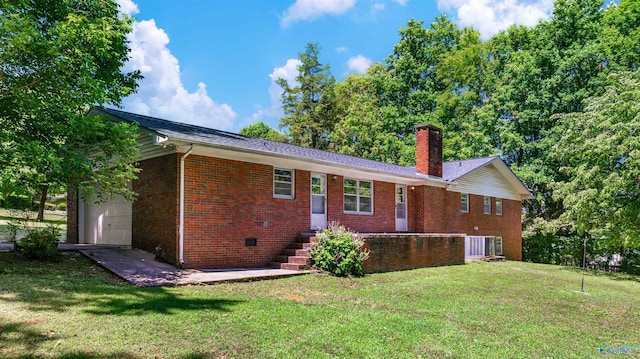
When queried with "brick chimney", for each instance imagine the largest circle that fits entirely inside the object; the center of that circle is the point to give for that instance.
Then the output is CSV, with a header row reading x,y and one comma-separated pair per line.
x,y
429,150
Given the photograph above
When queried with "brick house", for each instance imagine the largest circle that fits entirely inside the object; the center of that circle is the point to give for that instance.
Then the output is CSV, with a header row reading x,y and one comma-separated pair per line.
x,y
215,199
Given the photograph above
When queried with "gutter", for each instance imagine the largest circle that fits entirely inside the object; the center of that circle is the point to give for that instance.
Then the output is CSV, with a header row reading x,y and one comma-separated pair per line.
x,y
181,225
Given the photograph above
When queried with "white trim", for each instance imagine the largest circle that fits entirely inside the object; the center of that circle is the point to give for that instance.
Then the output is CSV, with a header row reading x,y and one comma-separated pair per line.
x,y
486,199
402,224
357,195
181,225
466,195
318,220
310,165
293,183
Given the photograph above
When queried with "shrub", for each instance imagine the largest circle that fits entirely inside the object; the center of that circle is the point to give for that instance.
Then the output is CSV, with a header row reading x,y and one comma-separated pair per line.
x,y
339,252
40,244
62,206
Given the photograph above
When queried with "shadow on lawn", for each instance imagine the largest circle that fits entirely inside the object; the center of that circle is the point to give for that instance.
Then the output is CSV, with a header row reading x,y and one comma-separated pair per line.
x,y
76,282
610,275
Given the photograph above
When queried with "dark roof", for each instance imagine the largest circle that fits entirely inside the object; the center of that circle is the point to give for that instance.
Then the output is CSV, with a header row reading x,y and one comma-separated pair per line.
x,y
451,170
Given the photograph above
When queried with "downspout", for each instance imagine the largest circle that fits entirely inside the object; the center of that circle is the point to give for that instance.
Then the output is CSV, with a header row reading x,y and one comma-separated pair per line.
x,y
181,225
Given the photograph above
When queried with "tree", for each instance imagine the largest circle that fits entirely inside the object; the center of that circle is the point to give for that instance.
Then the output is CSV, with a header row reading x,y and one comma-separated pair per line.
x,y
57,58
437,76
309,106
600,154
262,130
365,128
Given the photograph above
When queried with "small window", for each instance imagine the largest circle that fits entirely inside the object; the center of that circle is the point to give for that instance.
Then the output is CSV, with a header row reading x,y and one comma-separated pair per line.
x,y
499,206
487,205
358,196
464,202
282,183
498,246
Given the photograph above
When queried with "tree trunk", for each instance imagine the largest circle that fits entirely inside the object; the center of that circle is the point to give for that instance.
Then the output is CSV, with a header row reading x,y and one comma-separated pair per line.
x,y
43,200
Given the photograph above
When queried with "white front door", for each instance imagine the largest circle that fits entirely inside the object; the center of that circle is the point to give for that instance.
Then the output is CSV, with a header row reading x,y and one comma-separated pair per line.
x,y
318,201
401,208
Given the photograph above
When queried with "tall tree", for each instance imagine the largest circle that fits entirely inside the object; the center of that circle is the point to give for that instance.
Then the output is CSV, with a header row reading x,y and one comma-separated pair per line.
x,y
549,69
57,58
309,105
599,149
437,77
365,128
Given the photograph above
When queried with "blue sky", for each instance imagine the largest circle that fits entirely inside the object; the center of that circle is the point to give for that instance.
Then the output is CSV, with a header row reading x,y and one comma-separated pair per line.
x,y
214,63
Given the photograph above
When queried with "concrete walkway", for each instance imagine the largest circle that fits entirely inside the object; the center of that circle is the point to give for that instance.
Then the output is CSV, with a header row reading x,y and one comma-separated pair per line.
x,y
140,268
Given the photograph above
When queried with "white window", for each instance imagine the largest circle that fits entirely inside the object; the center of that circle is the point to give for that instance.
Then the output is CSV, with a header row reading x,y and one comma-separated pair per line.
x,y
487,205
282,183
464,202
499,206
358,196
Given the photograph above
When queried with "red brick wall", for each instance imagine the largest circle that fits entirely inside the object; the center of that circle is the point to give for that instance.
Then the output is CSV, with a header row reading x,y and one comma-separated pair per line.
x,y
392,253
429,150
72,215
441,214
155,210
383,218
229,201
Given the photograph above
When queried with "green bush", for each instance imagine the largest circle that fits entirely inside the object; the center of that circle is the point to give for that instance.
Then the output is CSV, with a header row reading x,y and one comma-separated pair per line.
x,y
62,206
40,244
339,252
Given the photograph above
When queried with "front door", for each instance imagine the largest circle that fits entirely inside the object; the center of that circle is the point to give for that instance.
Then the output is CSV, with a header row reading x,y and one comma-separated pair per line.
x,y
318,201
401,208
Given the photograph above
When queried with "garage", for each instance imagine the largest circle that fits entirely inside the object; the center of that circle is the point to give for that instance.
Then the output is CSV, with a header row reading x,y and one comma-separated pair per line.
x,y
106,223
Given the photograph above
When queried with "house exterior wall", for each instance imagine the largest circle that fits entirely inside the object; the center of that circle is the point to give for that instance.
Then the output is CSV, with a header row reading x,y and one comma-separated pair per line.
x,y
383,218
227,202
72,216
438,211
155,210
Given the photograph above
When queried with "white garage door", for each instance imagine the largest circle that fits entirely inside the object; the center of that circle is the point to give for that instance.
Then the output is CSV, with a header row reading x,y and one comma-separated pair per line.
x,y
107,223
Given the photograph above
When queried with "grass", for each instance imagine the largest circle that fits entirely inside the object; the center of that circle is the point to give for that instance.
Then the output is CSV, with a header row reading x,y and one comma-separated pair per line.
x,y
73,309
8,216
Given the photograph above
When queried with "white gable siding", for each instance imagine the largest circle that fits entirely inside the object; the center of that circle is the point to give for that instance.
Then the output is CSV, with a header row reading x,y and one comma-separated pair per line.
x,y
148,149
487,181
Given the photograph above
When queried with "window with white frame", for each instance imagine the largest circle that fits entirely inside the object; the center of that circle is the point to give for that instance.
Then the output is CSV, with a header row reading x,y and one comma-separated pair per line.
x,y
499,206
358,196
282,183
498,246
464,202
487,205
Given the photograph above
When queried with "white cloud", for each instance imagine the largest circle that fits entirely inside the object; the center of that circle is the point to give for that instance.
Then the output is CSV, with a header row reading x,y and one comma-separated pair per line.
x,y
401,2
377,7
341,49
161,92
312,9
359,64
288,72
491,16
128,7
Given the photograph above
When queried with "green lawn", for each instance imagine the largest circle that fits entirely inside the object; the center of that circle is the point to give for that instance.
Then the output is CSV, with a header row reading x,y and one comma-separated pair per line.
x,y
73,309
12,216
